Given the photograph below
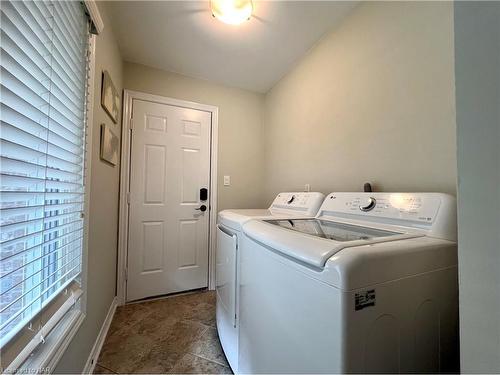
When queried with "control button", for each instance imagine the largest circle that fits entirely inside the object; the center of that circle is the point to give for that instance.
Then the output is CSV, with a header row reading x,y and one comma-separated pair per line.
x,y
372,202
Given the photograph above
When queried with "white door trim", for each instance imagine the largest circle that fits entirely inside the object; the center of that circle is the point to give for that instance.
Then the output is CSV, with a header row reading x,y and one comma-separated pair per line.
x,y
128,97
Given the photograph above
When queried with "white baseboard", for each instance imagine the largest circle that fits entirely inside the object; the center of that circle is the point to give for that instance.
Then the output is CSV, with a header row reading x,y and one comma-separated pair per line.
x,y
96,349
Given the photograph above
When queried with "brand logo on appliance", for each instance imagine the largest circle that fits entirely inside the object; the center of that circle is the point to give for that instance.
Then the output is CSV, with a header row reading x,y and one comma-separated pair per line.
x,y
364,299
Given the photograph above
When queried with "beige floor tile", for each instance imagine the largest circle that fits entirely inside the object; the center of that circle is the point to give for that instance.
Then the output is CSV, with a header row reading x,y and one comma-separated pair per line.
x,y
198,307
157,361
209,347
171,334
102,370
122,353
128,315
181,336
192,364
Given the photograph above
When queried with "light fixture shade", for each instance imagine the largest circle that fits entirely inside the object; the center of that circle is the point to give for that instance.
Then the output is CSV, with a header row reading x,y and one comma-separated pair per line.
x,y
232,12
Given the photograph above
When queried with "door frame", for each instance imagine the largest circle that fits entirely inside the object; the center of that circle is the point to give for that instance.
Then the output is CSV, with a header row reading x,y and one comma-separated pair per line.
x,y
128,97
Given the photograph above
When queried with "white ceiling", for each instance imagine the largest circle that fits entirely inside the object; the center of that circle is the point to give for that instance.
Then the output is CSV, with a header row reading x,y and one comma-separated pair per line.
x,y
183,37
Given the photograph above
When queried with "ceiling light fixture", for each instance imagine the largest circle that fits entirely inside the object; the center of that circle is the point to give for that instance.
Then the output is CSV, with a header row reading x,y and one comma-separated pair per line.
x,y
232,12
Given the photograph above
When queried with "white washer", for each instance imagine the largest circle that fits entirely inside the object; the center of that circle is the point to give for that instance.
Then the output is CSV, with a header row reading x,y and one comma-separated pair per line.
x,y
285,205
369,286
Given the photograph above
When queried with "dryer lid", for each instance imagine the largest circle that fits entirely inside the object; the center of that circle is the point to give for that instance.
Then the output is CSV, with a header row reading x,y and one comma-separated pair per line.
x,y
235,218
315,242
299,204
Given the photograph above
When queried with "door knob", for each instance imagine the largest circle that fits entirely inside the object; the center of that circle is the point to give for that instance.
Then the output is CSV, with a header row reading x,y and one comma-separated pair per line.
x,y
202,208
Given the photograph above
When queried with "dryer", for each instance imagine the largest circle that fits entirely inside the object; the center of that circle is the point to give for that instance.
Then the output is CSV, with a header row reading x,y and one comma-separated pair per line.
x,y
285,205
368,286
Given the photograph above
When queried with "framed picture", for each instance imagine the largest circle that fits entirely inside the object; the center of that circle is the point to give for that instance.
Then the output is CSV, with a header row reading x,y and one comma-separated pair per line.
x,y
110,100
109,145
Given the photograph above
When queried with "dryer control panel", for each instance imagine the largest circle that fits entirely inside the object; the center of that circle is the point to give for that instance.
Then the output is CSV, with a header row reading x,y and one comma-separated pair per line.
x,y
297,203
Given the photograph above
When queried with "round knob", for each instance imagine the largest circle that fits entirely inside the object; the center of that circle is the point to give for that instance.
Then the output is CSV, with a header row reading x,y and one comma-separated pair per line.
x,y
202,208
372,202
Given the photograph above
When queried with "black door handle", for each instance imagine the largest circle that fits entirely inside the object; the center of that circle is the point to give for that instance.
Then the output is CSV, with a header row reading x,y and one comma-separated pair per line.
x,y
202,208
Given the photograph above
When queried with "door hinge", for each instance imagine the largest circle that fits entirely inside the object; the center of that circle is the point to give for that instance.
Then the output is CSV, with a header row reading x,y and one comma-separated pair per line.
x,y
126,274
131,123
128,197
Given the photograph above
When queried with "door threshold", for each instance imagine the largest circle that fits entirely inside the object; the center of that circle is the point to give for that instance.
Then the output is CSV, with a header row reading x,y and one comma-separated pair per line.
x,y
170,295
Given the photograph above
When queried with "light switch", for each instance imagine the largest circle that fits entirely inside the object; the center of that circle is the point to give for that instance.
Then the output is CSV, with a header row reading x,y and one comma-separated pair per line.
x,y
307,187
227,180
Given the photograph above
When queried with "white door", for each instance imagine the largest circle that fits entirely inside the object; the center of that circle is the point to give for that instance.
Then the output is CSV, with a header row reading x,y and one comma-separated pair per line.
x,y
168,232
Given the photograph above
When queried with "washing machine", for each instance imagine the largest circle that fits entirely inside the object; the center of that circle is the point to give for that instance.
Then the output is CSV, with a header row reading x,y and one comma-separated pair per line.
x,y
285,205
368,286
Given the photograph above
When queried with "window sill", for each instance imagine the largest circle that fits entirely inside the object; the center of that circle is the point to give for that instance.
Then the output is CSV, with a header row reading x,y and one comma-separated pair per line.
x,y
46,357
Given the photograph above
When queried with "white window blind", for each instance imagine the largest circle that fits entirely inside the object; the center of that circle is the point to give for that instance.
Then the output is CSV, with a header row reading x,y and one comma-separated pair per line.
x,y
43,95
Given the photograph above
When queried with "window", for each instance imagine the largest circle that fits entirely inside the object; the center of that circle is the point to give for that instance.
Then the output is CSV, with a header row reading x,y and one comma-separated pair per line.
x,y
44,76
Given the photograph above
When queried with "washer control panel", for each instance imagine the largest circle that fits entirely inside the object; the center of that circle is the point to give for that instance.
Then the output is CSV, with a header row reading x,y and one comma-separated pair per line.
x,y
421,207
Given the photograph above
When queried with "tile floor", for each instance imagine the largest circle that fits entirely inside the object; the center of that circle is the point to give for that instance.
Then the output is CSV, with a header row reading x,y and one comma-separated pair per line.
x,y
171,335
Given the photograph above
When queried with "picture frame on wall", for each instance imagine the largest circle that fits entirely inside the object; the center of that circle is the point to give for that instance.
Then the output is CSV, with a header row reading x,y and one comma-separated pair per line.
x,y
110,99
109,145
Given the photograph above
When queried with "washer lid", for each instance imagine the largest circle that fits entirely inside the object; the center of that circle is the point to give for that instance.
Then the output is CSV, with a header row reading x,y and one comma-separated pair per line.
x,y
312,241
331,230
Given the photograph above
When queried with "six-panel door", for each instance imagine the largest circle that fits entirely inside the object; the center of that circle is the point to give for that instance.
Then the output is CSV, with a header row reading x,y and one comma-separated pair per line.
x,y
168,234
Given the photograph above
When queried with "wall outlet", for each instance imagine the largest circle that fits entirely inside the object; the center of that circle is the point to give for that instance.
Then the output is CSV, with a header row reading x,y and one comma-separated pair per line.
x,y
307,187
227,180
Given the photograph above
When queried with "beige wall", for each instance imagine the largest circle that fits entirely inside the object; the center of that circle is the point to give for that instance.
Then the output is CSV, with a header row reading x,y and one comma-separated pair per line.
x,y
372,101
103,217
240,128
